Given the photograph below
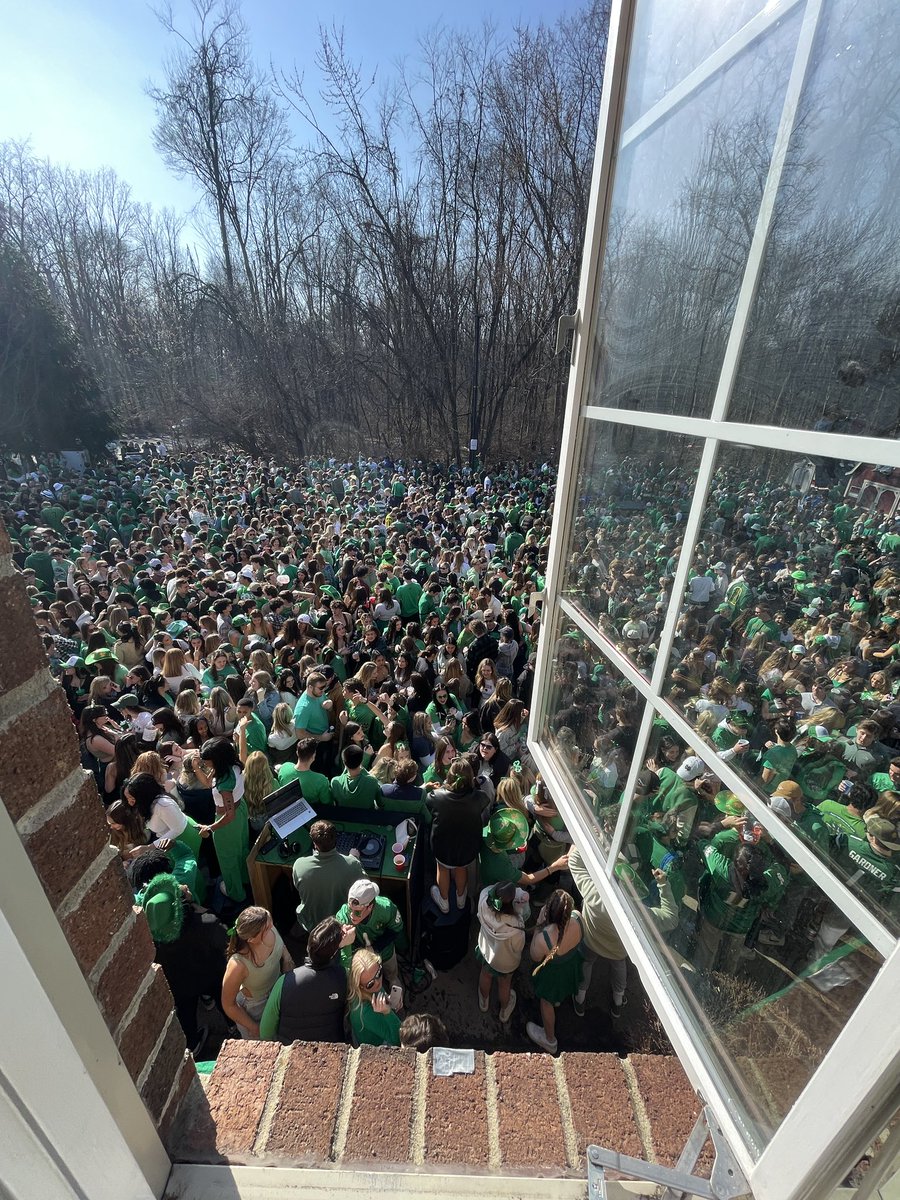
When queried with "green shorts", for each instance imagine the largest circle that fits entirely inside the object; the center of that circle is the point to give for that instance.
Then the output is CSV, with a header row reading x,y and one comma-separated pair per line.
x,y
485,966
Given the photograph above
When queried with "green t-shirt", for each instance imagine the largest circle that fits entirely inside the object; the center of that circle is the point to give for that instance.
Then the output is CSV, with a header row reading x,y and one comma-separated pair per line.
x,y
496,867
360,791
309,715
315,787
370,1028
382,930
779,759
839,820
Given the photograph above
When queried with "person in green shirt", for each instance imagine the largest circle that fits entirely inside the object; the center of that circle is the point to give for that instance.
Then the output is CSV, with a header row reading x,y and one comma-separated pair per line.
x,y
377,922
250,731
778,759
733,893
871,862
889,780
408,594
372,1020
507,830
355,787
315,786
40,561
848,818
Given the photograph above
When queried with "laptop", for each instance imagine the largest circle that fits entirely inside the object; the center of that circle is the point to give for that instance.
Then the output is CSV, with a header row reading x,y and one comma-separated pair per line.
x,y
286,809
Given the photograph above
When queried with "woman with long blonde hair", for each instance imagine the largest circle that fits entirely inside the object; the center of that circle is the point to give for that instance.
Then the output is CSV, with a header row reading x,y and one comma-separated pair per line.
x,y
372,1021
175,668
259,783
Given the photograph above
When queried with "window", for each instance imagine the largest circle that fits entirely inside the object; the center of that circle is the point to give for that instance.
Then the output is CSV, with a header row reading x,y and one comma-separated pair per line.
x,y
718,685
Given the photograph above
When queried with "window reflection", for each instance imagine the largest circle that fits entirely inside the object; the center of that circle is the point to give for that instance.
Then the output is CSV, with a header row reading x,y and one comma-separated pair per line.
x,y
684,207
786,658
592,723
634,490
823,348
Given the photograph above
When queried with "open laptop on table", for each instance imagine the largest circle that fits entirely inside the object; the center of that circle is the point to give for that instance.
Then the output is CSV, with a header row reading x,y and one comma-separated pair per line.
x,y
286,809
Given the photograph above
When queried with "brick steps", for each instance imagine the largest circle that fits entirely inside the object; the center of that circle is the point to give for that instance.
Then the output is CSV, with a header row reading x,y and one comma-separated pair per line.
x,y
313,1104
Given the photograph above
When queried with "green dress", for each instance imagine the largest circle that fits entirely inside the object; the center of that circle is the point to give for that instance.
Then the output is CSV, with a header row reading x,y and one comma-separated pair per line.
x,y
561,977
232,841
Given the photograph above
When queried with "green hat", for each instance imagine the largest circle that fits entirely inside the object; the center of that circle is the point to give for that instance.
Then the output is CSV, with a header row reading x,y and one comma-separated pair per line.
x,y
798,575
240,622
819,733
163,907
176,628
160,610
129,700
97,656
728,803
740,718
506,829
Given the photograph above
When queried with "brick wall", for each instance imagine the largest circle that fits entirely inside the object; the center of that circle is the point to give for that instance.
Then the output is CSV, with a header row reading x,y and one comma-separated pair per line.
x,y
59,816
318,1104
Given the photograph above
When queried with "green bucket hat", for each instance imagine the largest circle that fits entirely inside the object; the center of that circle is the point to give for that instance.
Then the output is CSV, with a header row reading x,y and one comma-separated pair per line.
x,y
507,828
163,908
176,628
728,803
98,656
240,622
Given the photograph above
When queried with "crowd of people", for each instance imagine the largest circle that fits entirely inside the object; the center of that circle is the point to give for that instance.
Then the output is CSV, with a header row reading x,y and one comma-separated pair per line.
x,y
222,627
785,661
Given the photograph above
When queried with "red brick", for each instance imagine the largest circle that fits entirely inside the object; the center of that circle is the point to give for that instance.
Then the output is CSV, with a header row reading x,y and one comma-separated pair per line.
x,y
303,1127
63,848
122,977
380,1131
37,751
187,1097
101,913
531,1132
237,1093
456,1117
139,1036
671,1103
23,652
602,1111
166,1065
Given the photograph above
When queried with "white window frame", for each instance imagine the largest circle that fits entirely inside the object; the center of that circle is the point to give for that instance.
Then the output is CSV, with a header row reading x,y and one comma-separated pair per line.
x,y
818,1136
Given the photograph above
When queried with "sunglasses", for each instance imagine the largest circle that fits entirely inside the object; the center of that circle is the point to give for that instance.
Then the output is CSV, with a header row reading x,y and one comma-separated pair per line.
x,y
374,981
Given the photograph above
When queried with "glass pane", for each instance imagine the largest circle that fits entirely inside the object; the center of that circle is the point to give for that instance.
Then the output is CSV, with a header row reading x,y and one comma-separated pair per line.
x,y
591,725
787,651
823,348
634,489
684,206
768,970
671,40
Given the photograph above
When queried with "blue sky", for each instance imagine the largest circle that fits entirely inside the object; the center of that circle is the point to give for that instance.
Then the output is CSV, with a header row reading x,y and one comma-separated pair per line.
x,y
74,71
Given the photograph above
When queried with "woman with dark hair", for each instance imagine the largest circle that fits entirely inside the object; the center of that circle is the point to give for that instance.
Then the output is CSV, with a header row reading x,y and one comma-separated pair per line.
x,y
492,762
458,815
419,693
128,747
129,645
445,710
160,813
444,754
220,768
556,948
168,727
510,725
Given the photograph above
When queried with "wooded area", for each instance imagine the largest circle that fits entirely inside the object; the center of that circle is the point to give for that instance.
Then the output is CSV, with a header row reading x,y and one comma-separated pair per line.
x,y
346,283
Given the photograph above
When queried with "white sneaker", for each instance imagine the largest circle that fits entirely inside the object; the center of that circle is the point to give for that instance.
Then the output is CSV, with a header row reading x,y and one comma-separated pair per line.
x,y
537,1035
507,1011
483,1001
462,900
443,905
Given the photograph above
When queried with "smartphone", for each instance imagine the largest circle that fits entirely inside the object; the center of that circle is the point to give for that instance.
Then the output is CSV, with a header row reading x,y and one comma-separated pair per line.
x,y
395,998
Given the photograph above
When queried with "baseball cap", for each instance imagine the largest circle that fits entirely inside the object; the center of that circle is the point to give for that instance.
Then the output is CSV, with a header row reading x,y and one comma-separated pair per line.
x,y
155,563
129,700
781,807
798,649
789,790
73,661
240,622
363,891
883,831
692,768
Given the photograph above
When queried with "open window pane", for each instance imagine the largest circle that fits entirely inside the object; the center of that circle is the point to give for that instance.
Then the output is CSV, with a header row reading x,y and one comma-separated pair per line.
x,y
634,490
767,968
684,207
591,725
823,348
